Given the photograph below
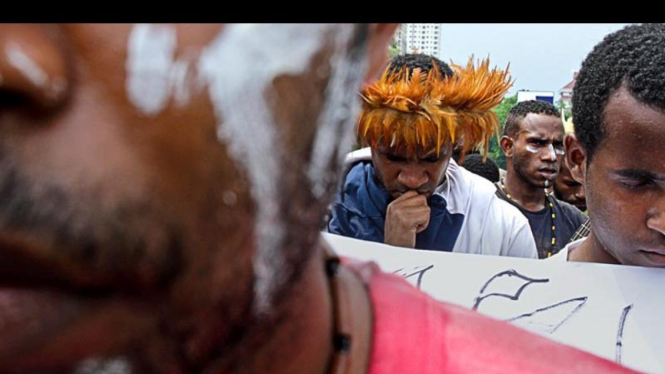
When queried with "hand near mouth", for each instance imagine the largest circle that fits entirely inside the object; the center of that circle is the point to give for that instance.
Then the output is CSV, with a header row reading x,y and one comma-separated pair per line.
x,y
406,216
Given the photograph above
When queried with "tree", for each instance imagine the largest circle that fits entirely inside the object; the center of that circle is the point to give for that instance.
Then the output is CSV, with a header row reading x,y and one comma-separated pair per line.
x,y
501,111
567,111
393,50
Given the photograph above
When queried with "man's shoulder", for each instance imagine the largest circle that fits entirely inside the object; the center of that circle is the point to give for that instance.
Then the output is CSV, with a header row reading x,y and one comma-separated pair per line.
x,y
503,207
398,324
562,255
508,209
492,225
359,155
355,177
482,201
352,193
570,211
466,191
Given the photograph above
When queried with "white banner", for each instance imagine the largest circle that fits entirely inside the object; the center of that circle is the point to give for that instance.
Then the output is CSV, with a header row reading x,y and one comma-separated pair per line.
x,y
609,310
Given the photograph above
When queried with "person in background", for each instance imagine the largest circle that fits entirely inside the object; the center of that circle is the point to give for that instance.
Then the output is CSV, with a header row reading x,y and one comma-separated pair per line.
x,y
532,142
404,189
161,192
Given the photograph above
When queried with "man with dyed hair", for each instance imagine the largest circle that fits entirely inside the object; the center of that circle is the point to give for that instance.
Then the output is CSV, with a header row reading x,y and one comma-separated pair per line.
x,y
143,232
407,191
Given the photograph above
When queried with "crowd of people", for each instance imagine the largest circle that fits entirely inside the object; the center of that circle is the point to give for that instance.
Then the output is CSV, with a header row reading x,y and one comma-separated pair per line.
x,y
162,188
403,191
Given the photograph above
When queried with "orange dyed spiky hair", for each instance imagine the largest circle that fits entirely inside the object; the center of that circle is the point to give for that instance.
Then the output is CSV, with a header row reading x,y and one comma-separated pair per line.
x,y
413,111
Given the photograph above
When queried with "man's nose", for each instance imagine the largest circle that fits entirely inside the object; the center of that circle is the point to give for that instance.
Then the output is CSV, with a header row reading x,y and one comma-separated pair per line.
x,y
580,194
548,154
656,216
412,177
33,67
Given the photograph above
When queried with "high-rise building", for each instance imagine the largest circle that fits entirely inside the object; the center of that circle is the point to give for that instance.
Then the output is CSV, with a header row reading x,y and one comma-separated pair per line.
x,y
419,38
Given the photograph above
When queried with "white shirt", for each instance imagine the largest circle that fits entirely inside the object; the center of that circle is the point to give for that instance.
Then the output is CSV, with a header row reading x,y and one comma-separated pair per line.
x,y
562,255
491,225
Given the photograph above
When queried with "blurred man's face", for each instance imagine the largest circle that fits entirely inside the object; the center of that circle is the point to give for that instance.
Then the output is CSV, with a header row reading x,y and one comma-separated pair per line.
x,y
421,172
538,149
568,189
143,171
625,183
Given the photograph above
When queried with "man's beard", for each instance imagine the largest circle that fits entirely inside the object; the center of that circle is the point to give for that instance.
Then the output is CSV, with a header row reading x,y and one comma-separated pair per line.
x,y
78,228
116,242
520,167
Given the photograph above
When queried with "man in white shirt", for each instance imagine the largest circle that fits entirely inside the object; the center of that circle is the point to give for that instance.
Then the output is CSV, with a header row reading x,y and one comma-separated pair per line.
x,y
407,191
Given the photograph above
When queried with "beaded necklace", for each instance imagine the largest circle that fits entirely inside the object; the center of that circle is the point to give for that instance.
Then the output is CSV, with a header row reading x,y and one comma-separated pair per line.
x,y
549,203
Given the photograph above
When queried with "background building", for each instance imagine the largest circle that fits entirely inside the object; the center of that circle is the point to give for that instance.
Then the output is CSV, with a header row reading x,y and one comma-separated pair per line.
x,y
418,38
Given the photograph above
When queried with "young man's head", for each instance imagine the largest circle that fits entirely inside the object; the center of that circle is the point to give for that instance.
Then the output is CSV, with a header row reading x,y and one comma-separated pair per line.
x,y
419,110
162,186
483,166
532,142
619,111
567,189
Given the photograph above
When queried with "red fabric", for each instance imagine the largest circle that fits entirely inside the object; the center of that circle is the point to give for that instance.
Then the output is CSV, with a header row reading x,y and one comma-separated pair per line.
x,y
414,333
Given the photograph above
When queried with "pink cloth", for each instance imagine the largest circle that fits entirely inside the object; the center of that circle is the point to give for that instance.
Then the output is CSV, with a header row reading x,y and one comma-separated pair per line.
x,y
415,334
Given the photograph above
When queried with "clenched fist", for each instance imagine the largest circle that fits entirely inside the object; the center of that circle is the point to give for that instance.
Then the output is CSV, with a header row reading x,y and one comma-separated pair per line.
x,y
406,216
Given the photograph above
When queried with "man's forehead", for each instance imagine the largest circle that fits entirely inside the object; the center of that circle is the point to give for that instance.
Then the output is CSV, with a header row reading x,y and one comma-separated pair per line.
x,y
541,124
420,152
634,131
541,134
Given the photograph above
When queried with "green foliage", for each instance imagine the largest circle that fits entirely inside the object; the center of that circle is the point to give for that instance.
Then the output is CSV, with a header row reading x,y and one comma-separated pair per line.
x,y
567,111
501,111
393,50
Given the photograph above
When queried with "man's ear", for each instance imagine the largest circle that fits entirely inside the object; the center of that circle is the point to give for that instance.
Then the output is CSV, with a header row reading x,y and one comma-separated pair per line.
x,y
379,38
575,158
507,144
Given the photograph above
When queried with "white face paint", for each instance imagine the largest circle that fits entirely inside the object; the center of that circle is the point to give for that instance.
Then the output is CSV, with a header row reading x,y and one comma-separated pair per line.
x,y
239,67
19,60
229,198
104,366
532,148
153,74
150,53
333,138
552,153
23,63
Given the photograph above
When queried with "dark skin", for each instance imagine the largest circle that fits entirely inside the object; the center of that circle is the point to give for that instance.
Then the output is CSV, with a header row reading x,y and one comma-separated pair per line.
x,y
531,163
625,186
410,180
118,238
567,189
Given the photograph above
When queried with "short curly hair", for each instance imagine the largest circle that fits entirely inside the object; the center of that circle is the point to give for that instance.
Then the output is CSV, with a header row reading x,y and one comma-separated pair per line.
x,y
419,60
519,111
487,168
634,58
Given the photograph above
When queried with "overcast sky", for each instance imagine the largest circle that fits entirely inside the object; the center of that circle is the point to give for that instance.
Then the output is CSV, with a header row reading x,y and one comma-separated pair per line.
x,y
542,56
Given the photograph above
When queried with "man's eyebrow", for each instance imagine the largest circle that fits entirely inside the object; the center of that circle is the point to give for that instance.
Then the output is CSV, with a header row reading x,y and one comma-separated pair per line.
x,y
529,133
638,174
533,136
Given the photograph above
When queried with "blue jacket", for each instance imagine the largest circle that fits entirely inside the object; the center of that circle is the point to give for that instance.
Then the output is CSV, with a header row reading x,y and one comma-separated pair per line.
x,y
359,211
